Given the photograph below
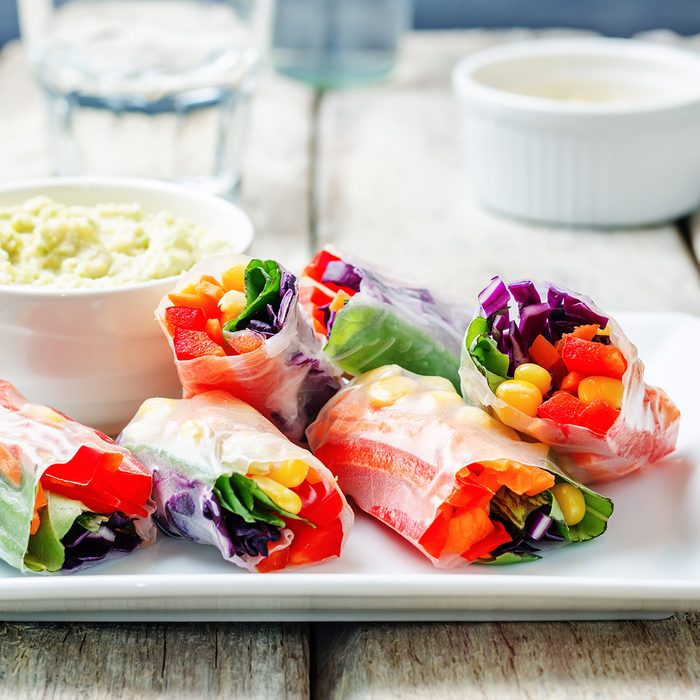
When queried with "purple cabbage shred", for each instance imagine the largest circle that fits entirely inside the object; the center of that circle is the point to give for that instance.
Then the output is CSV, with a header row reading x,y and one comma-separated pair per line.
x,y
343,274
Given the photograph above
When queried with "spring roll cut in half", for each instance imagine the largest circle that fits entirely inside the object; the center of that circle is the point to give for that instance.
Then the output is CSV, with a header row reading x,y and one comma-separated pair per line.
x,y
449,478
234,324
69,496
554,366
370,319
223,475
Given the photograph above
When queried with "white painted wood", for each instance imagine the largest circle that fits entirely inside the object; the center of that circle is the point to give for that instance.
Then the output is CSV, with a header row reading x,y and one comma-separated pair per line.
x,y
394,187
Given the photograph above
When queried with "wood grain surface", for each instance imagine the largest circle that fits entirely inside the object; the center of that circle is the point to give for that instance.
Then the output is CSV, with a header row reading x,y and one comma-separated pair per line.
x,y
510,661
153,661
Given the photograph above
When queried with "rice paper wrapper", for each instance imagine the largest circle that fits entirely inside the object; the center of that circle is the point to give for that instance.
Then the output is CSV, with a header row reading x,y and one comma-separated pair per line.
x,y
400,461
33,438
288,379
391,321
189,443
645,431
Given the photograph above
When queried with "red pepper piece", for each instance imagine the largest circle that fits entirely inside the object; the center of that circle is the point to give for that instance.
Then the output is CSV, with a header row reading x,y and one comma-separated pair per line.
x,y
593,359
570,383
562,408
104,481
543,353
188,317
320,502
599,416
314,544
276,561
434,538
191,344
317,266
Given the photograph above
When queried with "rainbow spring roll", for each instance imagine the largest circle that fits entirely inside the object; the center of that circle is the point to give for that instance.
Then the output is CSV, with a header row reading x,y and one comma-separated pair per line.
x,y
371,319
453,481
234,324
552,365
223,475
69,496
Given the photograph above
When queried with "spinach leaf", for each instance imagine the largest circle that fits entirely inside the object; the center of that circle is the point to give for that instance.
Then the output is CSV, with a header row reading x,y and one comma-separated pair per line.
x,y
262,287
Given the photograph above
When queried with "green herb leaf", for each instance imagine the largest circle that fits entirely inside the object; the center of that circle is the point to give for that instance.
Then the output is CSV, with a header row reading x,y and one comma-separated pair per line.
x,y
510,558
91,521
513,510
262,287
242,496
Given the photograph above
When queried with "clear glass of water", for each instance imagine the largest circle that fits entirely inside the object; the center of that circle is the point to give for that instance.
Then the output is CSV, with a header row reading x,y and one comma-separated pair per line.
x,y
336,43
150,88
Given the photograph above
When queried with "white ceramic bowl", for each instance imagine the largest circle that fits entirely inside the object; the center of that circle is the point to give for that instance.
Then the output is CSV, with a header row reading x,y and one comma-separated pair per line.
x,y
598,132
97,354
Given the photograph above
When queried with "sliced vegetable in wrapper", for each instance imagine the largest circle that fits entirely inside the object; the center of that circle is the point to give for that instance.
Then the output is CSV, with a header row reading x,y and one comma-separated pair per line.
x,y
550,364
234,324
371,319
223,475
449,478
69,496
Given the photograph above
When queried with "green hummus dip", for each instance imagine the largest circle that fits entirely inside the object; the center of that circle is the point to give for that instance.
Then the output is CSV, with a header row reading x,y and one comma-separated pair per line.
x,y
47,244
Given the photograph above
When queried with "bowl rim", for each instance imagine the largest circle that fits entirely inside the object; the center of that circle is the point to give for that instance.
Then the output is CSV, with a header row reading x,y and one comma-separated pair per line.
x,y
247,232
466,86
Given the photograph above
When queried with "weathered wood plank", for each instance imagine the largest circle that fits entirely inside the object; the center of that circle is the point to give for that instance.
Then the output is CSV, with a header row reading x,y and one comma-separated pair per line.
x,y
576,660
395,188
153,660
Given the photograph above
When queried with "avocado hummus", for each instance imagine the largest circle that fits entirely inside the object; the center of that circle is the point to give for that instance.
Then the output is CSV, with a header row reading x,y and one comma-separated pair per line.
x,y
47,244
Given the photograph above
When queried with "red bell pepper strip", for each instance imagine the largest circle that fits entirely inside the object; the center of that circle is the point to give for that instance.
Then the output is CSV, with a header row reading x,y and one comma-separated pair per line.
x,y
187,317
192,344
103,481
593,359
599,416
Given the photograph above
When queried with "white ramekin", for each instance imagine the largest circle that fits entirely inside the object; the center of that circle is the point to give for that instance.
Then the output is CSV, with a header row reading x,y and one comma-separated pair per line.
x,y
616,141
97,354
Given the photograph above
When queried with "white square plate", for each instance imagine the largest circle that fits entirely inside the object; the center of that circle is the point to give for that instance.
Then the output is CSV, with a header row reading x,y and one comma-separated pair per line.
x,y
646,565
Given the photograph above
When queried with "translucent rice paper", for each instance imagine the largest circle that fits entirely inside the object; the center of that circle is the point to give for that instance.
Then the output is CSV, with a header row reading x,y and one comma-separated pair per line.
x,y
189,444
645,431
391,321
288,379
33,438
431,424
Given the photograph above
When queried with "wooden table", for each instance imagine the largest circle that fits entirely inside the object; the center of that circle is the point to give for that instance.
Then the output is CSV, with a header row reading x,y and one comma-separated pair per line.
x,y
378,170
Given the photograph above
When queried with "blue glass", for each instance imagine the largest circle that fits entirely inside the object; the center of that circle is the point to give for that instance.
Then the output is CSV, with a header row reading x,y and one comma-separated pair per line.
x,y
335,43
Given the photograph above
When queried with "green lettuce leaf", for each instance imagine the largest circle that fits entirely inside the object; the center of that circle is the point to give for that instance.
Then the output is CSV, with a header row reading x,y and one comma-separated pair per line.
x,y
365,337
242,496
262,287
482,348
513,510
510,558
45,551
15,517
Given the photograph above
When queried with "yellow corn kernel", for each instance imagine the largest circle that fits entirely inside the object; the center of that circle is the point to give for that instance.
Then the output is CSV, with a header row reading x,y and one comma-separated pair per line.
x,y
281,495
476,417
385,392
231,305
605,388
570,501
604,331
380,373
437,383
539,376
192,429
234,278
521,395
258,469
446,398
289,473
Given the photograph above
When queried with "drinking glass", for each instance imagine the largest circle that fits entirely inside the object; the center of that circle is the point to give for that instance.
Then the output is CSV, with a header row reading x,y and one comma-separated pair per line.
x,y
152,88
336,43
